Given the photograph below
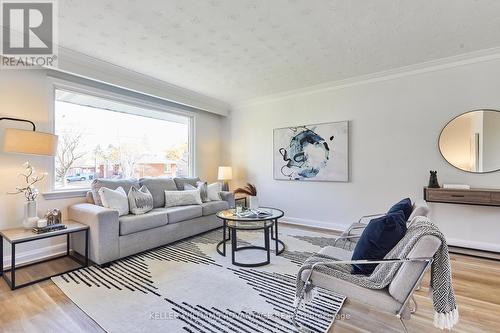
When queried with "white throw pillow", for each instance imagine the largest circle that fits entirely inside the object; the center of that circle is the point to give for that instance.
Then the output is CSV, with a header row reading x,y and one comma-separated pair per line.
x,y
140,200
213,191
202,186
182,198
114,199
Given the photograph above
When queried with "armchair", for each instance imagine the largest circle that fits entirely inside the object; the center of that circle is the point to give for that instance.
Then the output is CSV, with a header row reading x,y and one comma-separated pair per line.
x,y
399,313
395,298
349,237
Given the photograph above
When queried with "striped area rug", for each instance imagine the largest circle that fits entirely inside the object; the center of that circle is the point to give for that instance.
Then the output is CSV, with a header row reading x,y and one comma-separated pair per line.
x,y
188,287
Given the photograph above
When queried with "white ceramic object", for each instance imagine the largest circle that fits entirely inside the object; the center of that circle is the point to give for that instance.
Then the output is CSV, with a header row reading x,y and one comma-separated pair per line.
x,y
253,202
42,223
30,214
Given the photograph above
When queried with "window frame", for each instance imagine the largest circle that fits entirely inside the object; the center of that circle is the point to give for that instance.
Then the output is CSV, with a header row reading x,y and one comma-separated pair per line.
x,y
58,84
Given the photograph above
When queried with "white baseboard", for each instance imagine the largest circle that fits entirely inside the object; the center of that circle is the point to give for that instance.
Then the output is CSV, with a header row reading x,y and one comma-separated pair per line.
x,y
315,223
35,254
492,247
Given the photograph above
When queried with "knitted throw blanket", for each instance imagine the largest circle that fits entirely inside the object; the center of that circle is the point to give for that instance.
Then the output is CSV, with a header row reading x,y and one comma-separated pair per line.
x,y
443,297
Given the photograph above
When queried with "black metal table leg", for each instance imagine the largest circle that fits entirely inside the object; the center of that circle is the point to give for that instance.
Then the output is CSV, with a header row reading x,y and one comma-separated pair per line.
x,y
224,237
267,245
67,244
234,244
274,237
86,247
13,267
276,234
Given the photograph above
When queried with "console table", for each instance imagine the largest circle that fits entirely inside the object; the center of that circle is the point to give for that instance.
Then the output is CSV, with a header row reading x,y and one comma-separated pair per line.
x,y
475,196
20,235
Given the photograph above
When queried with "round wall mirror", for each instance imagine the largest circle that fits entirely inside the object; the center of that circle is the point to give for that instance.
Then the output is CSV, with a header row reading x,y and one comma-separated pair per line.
x,y
471,141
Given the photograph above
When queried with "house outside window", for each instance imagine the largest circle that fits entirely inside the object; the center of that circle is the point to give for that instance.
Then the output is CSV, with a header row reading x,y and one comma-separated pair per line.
x,y
100,138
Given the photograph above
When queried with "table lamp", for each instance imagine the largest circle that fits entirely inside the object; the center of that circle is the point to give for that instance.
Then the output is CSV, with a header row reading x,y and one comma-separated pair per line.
x,y
225,174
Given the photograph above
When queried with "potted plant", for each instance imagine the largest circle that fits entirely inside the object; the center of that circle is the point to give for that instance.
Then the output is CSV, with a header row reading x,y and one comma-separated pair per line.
x,y
30,193
251,191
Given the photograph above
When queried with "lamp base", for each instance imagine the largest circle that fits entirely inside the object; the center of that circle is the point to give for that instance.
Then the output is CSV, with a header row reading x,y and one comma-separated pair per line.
x,y
225,186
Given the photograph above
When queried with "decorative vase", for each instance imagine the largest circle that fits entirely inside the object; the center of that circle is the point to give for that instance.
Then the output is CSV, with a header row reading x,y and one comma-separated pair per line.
x,y
253,202
30,214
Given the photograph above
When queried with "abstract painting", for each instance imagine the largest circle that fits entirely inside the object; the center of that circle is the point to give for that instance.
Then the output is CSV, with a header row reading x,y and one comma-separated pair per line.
x,y
318,152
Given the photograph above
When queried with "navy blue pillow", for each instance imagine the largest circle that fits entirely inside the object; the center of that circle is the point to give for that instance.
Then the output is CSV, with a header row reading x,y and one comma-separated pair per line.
x,y
378,238
404,205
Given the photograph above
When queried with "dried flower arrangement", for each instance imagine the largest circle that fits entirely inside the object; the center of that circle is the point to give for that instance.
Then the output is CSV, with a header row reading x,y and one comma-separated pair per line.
x,y
249,189
30,178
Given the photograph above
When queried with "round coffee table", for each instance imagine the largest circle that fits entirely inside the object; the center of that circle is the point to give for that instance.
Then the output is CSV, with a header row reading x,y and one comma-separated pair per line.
x,y
235,223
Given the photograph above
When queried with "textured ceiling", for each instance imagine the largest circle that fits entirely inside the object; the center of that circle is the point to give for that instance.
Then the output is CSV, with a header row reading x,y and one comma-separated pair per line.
x,y
235,50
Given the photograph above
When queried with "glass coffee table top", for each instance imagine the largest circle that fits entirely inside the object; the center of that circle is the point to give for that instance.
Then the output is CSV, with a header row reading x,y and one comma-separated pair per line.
x,y
230,215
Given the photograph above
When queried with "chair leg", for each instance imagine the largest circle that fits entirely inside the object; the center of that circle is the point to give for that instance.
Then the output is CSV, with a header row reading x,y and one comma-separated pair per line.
x,y
299,302
405,330
415,307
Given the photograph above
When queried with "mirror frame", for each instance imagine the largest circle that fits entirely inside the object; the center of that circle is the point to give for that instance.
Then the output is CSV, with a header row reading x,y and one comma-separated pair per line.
x,y
441,133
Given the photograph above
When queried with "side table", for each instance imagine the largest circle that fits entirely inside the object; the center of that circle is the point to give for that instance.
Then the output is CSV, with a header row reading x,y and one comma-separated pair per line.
x,y
20,235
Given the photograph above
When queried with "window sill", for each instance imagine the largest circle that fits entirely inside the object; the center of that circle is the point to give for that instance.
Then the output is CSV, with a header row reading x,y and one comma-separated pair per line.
x,y
65,194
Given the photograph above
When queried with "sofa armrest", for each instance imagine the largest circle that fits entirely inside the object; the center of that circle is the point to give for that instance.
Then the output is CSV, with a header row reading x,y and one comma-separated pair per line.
x,y
229,198
103,234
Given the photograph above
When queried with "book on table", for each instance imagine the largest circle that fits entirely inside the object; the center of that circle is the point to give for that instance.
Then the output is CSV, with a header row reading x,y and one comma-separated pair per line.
x,y
254,213
49,228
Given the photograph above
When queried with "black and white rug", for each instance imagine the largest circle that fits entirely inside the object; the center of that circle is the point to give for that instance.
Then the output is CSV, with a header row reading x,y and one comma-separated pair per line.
x,y
188,287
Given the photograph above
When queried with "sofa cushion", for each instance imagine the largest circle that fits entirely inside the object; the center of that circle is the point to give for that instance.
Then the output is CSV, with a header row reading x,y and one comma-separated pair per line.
x,y
378,238
157,186
212,207
112,184
183,213
336,252
180,182
130,224
372,297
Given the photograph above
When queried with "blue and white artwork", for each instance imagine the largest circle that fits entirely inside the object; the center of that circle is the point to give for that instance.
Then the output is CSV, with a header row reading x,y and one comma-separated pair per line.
x,y
317,152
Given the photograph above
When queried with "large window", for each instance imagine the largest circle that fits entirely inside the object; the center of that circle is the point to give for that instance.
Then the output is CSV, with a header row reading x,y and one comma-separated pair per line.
x,y
101,138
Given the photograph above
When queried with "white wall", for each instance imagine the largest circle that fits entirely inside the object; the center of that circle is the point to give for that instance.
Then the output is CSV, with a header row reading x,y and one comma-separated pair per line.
x,y
394,128
491,141
28,96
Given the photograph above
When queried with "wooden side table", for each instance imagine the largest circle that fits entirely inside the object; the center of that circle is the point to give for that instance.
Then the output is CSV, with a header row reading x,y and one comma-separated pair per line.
x,y
21,235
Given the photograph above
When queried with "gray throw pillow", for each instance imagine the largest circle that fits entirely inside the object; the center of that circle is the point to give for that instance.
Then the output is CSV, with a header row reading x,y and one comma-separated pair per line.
x,y
140,200
202,186
157,186
179,182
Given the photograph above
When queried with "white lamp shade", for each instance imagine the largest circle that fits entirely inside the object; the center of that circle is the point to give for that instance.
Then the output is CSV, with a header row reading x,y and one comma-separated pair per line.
x,y
29,142
225,173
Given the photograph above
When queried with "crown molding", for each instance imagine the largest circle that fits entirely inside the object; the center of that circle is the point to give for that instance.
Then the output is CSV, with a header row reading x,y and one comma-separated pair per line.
x,y
86,66
415,69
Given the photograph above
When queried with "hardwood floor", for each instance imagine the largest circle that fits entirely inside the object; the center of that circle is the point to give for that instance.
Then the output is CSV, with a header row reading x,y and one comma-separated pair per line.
x,y
478,295
44,308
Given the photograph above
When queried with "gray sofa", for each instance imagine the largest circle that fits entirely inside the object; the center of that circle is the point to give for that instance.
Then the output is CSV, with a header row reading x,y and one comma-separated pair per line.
x,y
113,237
